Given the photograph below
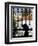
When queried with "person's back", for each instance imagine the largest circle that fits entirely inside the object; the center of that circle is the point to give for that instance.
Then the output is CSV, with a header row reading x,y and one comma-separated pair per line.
x,y
26,28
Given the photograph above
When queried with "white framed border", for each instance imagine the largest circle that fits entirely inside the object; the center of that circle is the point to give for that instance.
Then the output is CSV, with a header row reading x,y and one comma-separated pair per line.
x,y
34,27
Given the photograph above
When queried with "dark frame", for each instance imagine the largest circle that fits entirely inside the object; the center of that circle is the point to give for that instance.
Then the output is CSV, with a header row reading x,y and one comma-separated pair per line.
x,y
7,22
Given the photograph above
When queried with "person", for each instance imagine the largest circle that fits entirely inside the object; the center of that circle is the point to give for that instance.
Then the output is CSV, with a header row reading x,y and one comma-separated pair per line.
x,y
26,28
